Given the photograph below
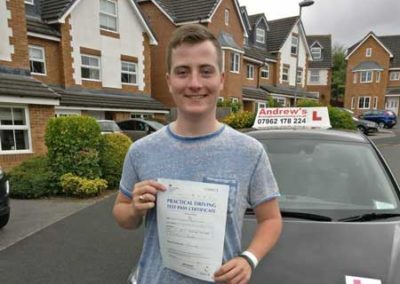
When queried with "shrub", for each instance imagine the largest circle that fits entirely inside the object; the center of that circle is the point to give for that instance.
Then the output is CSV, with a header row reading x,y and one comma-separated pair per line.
x,y
31,179
307,103
73,144
340,119
82,187
112,155
241,119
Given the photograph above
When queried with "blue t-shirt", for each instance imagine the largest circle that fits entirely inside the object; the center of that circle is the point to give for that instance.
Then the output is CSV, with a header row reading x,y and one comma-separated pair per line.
x,y
225,156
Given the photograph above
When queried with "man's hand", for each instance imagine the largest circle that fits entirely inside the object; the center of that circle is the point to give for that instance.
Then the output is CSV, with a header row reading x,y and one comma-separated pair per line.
x,y
235,271
129,212
144,196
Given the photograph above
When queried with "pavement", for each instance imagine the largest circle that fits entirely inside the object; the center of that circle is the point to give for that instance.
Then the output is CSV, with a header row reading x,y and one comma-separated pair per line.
x,y
31,216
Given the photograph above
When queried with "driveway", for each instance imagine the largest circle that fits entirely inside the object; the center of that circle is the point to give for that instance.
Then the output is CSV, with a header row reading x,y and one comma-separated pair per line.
x,y
30,216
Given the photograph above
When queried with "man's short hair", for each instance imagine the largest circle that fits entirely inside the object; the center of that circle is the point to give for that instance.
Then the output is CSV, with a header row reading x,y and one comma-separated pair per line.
x,y
192,34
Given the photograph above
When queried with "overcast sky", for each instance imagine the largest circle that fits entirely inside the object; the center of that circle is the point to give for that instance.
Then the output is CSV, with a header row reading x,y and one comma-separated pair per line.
x,y
347,21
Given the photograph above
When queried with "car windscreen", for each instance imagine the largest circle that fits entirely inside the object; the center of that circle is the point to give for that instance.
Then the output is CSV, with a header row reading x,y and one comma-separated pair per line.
x,y
109,126
328,177
155,124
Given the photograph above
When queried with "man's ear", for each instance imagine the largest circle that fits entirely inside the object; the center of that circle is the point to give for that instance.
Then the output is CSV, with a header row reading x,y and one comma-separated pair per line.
x,y
222,81
167,77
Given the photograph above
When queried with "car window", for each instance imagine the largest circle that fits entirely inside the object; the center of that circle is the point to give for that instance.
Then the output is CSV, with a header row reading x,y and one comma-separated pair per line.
x,y
322,175
109,126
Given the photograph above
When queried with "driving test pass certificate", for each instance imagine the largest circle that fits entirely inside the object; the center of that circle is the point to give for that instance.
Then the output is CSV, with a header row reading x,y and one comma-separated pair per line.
x,y
191,219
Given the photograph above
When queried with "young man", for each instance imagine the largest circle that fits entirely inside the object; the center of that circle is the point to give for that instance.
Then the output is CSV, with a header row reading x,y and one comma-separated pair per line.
x,y
196,147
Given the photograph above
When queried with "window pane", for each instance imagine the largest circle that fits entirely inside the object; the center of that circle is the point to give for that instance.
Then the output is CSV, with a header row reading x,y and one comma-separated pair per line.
x,y
21,137
108,7
7,140
19,116
94,74
37,67
93,61
85,73
85,60
35,53
5,116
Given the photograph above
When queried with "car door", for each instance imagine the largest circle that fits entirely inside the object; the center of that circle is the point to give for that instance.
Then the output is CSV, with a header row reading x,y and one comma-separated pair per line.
x,y
134,129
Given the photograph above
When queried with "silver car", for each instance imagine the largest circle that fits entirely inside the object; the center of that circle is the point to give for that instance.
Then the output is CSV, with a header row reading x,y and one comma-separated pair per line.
x,y
137,128
341,209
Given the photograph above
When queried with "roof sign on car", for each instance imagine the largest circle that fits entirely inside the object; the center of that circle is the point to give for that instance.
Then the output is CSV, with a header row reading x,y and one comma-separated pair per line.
x,y
360,280
292,117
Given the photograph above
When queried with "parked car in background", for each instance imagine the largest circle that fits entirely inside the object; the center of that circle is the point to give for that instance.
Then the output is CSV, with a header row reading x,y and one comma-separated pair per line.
x,y
108,126
366,126
384,118
340,205
137,128
4,199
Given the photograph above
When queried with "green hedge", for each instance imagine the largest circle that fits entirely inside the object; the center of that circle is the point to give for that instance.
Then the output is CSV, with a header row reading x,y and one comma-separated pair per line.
x,y
31,179
340,119
73,144
112,155
82,187
241,119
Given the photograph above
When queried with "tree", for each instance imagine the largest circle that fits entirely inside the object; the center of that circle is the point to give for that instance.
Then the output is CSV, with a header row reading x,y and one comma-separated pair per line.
x,y
338,71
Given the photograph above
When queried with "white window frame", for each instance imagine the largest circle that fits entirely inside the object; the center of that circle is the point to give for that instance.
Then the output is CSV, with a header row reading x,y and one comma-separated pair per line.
x,y
368,77
281,101
366,102
234,100
314,78
264,70
235,62
30,2
226,17
91,67
43,60
368,52
109,15
294,45
375,103
260,35
128,72
378,76
316,53
353,102
299,76
250,72
285,73
25,127
394,75
221,99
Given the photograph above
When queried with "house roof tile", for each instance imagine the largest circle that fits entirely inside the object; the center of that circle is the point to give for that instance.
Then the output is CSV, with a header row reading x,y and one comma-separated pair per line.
x,y
52,10
254,93
25,86
326,53
35,25
278,32
101,99
367,65
288,91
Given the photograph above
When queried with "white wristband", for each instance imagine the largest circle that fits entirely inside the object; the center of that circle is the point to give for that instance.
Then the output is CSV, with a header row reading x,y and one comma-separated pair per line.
x,y
251,256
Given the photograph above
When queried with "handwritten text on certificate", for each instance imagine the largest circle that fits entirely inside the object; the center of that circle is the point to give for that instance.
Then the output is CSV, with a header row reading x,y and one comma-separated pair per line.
x,y
191,219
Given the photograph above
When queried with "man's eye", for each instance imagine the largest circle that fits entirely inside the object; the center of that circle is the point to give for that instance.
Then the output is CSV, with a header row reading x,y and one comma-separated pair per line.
x,y
207,71
181,72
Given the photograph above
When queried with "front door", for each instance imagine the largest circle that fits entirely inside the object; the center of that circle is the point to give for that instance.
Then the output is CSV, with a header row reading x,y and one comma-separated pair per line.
x,y
392,103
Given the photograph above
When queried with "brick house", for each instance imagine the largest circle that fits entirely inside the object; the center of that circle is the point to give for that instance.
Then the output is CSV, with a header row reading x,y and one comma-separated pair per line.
x,y
319,75
25,103
373,74
101,70
272,52
222,17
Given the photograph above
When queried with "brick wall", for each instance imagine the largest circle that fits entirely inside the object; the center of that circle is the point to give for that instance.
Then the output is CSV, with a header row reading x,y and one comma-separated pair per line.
x,y
53,60
38,116
17,23
66,54
380,56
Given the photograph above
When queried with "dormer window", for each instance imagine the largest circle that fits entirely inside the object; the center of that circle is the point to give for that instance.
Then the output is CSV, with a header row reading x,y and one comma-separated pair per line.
x,y
260,35
316,53
226,17
108,15
368,52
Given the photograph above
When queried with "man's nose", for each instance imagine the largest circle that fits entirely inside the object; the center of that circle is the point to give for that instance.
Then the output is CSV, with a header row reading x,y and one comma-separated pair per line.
x,y
195,81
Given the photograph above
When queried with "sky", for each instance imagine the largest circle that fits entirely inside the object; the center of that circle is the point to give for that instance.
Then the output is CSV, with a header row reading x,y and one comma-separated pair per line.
x,y
348,21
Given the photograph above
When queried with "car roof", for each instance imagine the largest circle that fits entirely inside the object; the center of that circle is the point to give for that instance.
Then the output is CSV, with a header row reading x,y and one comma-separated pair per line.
x,y
311,134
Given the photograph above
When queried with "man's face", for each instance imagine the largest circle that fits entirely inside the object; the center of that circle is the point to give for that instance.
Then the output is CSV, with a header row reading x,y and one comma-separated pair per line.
x,y
195,80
